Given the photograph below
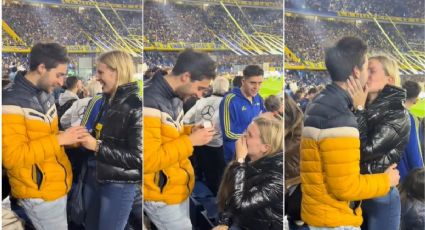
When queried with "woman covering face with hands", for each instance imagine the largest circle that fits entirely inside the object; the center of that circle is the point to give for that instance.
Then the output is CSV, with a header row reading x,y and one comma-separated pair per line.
x,y
251,191
115,169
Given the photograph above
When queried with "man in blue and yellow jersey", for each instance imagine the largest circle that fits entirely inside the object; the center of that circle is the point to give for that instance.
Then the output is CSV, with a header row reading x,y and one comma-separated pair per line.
x,y
239,107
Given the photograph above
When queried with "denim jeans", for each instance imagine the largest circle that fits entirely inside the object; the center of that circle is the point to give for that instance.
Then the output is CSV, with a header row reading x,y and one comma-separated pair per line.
x,y
335,228
108,205
382,212
169,217
46,215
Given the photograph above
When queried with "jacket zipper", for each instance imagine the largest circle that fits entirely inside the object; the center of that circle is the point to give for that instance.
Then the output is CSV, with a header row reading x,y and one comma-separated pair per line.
x,y
66,174
188,179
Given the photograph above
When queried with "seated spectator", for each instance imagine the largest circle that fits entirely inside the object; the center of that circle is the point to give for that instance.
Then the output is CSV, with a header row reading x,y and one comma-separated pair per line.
x,y
251,191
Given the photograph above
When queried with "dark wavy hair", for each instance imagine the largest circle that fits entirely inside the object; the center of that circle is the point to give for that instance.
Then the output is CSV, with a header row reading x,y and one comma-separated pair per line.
x,y
413,185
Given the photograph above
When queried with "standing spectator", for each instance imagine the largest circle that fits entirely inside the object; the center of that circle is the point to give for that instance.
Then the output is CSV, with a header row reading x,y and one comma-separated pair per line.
x,y
312,92
384,132
209,159
39,170
73,116
237,82
412,157
330,148
67,98
274,107
114,173
239,107
168,173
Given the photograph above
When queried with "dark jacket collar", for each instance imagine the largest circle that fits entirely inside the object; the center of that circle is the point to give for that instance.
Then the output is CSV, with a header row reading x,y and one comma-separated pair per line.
x,y
159,81
390,95
340,93
23,82
123,91
268,162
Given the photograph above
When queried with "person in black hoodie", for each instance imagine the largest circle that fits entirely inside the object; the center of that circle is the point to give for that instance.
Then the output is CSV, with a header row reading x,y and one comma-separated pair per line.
x,y
413,200
384,127
114,173
251,191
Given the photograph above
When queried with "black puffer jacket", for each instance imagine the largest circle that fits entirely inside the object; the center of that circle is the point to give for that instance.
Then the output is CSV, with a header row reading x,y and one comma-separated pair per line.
x,y
412,214
119,159
384,130
257,200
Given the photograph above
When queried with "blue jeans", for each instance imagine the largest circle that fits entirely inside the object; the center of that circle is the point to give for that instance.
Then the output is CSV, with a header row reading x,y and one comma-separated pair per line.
x,y
108,205
169,217
382,212
46,215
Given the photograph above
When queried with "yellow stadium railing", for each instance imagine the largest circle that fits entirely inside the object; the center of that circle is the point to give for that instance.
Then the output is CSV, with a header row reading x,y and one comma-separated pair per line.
x,y
275,5
380,17
12,33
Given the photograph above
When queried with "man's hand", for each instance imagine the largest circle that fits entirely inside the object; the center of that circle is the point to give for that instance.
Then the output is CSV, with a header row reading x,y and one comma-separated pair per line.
x,y
201,136
393,174
72,135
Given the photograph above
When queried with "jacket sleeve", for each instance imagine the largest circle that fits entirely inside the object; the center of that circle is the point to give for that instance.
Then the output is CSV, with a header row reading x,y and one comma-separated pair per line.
x,y
413,151
130,156
340,159
383,146
157,153
229,120
18,149
247,199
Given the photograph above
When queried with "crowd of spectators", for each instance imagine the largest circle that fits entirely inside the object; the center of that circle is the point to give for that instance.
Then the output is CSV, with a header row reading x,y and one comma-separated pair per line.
x,y
307,38
124,2
226,61
70,26
397,8
192,23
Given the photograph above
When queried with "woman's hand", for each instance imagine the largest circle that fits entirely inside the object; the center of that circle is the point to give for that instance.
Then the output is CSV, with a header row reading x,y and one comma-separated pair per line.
x,y
241,148
89,142
357,92
221,227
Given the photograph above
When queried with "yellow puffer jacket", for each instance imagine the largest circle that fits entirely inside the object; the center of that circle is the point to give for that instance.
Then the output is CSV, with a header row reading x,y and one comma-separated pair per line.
x,y
330,164
168,173
36,165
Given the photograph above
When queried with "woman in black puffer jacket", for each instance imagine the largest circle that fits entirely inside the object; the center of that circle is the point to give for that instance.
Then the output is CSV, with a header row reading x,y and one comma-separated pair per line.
x,y
114,171
251,192
384,132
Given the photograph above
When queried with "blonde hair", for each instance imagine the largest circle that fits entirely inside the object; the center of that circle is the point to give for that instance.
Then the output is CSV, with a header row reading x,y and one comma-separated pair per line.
x,y
220,85
271,133
94,87
390,67
121,62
